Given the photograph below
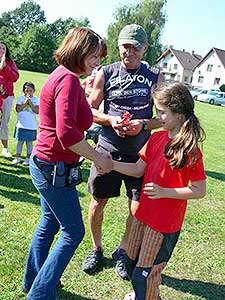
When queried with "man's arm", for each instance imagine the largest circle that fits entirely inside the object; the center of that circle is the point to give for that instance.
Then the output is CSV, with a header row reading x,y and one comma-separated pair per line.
x,y
95,99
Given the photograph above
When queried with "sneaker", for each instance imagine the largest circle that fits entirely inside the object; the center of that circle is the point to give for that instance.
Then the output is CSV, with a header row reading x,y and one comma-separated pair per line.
x,y
16,161
26,162
92,261
6,153
120,265
116,253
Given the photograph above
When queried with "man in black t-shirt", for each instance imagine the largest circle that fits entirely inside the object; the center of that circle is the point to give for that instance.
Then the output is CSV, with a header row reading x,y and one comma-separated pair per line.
x,y
122,86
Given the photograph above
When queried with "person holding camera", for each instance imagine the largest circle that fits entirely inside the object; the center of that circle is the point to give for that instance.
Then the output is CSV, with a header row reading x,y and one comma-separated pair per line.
x,y
8,76
64,117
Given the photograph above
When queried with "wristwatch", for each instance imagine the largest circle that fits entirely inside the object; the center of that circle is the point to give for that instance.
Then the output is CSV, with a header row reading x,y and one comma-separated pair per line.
x,y
145,125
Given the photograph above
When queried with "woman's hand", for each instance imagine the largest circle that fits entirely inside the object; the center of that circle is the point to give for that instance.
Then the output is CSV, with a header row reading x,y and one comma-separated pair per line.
x,y
2,63
153,191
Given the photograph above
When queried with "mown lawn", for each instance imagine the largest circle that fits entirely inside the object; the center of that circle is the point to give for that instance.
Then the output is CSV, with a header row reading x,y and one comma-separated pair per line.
x,y
196,269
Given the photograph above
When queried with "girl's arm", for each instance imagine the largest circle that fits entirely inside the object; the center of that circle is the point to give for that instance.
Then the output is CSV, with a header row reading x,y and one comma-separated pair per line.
x,y
131,169
197,189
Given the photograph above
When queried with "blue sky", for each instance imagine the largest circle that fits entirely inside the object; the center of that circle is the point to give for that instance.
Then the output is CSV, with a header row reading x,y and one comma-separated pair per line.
x,y
191,24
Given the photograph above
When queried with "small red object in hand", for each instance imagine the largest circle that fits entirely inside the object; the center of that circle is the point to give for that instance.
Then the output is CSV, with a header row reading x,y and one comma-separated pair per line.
x,y
126,118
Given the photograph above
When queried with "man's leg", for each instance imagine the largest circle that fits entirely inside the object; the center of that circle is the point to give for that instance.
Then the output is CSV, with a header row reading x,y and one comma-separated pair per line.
x,y
95,215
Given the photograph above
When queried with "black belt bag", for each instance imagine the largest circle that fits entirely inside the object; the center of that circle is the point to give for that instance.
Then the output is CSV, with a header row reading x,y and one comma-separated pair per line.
x,y
60,174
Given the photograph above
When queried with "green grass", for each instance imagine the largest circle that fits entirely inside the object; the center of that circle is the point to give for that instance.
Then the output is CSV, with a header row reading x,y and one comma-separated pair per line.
x,y
196,269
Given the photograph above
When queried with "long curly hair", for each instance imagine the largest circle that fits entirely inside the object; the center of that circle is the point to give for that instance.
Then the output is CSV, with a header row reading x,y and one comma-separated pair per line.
x,y
183,147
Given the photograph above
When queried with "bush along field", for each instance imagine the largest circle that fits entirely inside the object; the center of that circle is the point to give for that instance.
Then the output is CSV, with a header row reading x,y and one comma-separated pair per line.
x,y
196,269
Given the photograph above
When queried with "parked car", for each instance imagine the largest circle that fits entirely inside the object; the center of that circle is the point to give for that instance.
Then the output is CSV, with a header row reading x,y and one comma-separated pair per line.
x,y
195,92
207,95
219,99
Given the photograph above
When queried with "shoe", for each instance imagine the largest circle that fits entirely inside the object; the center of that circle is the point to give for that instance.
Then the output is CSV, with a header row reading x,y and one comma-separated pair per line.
x,y
120,265
26,162
116,253
92,261
6,153
16,161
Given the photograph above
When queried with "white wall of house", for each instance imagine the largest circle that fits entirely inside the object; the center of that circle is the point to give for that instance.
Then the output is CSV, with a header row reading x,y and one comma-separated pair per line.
x,y
210,73
173,70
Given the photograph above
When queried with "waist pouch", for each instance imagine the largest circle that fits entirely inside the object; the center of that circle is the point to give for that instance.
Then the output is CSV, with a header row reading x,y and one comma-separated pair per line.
x,y
60,174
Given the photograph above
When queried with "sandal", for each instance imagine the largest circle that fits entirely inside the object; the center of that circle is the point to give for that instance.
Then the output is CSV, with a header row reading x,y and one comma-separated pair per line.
x,y
130,296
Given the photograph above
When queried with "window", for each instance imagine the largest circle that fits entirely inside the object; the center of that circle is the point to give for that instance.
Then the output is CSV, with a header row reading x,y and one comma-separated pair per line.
x,y
175,66
200,79
209,68
217,81
165,65
185,78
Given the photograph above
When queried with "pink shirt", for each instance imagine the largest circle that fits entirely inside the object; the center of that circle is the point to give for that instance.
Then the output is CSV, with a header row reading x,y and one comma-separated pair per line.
x,y
8,76
64,116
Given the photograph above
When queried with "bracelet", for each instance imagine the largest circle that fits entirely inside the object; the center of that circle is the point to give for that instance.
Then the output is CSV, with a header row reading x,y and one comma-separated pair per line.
x,y
145,125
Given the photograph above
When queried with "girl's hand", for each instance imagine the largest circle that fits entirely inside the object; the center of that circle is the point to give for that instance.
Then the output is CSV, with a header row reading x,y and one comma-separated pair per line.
x,y
153,191
134,127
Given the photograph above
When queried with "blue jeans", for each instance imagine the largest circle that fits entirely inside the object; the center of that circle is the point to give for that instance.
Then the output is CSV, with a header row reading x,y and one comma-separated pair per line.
x,y
60,210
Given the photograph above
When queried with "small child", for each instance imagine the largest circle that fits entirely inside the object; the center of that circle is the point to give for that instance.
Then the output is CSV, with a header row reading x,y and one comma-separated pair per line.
x,y
174,173
27,107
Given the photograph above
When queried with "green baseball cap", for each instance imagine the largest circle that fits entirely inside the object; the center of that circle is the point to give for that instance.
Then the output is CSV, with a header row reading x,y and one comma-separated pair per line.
x,y
133,34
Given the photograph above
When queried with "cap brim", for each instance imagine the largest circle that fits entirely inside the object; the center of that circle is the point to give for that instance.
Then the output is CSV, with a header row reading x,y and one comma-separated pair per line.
x,y
135,43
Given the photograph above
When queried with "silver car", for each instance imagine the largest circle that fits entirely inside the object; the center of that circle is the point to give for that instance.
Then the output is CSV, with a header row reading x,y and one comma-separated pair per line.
x,y
219,99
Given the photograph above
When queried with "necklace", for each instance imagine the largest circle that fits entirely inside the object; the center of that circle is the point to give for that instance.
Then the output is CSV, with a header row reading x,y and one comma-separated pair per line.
x,y
122,82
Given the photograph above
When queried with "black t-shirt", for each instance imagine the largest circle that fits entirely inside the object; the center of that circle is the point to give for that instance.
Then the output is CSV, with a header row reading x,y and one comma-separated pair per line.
x,y
127,90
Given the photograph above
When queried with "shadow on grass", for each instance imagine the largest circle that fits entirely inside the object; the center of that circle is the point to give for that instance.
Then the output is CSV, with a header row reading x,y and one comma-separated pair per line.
x,y
62,294
219,176
209,291
17,187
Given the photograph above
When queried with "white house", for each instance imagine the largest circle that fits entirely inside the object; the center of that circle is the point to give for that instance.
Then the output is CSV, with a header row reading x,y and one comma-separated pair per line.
x,y
210,71
177,65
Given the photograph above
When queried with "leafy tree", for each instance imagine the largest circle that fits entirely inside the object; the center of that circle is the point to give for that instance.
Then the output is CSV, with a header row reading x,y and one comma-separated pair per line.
x,y
23,17
147,13
36,50
60,28
222,88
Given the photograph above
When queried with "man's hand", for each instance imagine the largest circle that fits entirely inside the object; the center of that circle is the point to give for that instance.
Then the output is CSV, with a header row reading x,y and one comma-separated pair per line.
x,y
134,127
119,127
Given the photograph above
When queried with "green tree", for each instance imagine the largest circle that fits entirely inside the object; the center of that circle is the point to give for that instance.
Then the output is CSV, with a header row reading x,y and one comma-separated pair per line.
x,y
36,50
20,19
222,88
149,14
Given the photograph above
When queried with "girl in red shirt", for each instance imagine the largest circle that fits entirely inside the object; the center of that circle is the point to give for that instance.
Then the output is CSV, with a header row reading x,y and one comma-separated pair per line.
x,y
174,172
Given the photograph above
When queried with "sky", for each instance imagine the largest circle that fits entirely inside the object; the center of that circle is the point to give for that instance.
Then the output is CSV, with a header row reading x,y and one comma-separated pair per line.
x,y
190,24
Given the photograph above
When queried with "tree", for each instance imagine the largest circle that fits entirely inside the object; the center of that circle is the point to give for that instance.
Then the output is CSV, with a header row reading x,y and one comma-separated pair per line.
x,y
222,88
36,50
147,13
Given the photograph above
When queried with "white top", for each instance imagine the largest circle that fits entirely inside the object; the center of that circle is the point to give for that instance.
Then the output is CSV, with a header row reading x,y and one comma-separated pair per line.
x,y
26,118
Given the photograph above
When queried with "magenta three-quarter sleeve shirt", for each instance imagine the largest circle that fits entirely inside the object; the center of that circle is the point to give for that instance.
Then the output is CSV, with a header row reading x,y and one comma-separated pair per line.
x,y
64,116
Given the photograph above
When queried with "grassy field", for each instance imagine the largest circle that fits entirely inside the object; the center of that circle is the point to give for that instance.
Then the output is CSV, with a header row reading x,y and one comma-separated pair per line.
x,y
196,269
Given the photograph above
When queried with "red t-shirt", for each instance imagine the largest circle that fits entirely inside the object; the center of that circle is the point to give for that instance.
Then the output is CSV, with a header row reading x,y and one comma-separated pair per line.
x,y
64,116
165,215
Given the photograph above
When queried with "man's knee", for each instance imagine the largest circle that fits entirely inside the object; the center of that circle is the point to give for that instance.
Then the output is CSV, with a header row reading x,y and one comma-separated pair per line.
x,y
97,205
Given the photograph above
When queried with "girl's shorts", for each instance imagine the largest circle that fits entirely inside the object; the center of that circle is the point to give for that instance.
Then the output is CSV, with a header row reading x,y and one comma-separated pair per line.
x,y
27,135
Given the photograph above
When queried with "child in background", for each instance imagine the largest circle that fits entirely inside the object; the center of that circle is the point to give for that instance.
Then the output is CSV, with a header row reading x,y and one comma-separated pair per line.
x,y
174,172
27,106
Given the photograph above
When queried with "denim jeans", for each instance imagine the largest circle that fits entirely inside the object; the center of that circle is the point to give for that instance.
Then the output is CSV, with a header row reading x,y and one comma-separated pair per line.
x,y
60,210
